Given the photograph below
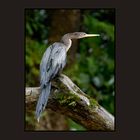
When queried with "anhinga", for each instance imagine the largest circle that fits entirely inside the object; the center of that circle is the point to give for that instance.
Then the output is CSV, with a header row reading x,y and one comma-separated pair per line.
x,y
53,61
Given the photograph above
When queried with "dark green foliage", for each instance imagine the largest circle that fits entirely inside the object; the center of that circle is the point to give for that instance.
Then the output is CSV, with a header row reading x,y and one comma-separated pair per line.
x,y
34,52
36,24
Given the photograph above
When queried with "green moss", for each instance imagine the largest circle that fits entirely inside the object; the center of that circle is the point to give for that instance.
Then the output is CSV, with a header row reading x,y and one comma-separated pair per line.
x,y
67,99
73,103
93,103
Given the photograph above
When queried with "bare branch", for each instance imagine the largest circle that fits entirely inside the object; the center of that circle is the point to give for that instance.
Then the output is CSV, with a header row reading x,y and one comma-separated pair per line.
x,y
66,98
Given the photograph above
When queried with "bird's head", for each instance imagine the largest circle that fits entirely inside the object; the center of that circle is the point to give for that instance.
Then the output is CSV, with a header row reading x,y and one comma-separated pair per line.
x,y
78,35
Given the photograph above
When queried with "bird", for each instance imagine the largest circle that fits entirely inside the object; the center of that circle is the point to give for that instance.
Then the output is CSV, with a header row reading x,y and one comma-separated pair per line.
x,y
52,64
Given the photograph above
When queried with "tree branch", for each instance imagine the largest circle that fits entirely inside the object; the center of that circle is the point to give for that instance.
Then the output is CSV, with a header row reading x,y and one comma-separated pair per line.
x,y
66,98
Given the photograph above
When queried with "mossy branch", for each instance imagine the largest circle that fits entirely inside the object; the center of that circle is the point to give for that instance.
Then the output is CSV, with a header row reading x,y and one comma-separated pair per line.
x,y
66,98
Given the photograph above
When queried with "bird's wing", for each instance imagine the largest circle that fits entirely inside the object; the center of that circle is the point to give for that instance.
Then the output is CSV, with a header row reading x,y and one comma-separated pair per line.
x,y
54,59
44,62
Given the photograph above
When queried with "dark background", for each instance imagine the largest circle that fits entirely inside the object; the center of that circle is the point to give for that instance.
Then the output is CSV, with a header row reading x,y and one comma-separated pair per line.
x,y
90,62
127,77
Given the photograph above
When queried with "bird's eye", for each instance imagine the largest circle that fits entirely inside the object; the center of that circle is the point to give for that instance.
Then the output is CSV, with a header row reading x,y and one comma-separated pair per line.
x,y
83,34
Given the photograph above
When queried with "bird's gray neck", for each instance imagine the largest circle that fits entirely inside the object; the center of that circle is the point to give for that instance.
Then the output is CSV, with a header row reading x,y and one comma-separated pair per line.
x,y
66,41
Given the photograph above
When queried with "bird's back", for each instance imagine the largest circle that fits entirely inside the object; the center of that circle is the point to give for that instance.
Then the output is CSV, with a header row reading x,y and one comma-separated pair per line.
x,y
53,60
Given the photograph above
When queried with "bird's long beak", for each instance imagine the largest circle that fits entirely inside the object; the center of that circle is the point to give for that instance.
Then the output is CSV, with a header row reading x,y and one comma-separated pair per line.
x,y
91,35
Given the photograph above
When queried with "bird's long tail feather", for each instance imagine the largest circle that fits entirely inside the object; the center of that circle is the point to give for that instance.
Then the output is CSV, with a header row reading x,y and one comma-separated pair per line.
x,y
43,99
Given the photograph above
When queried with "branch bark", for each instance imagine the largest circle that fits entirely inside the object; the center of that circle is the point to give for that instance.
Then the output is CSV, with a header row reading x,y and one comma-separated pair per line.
x,y
66,98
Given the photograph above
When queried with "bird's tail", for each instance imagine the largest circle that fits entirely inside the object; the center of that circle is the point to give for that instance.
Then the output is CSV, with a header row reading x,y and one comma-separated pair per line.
x,y
43,99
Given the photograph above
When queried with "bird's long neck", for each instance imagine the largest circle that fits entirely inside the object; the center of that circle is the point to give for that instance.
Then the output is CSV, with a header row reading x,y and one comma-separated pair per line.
x,y
66,41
